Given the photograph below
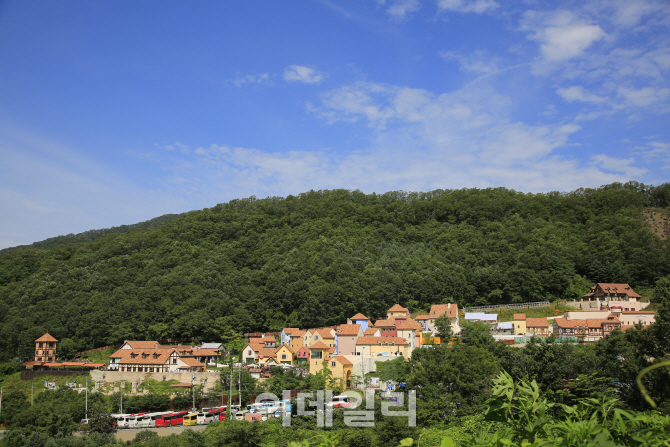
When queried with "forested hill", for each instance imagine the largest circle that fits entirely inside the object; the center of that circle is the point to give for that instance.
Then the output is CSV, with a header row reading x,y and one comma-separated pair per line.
x,y
91,235
323,256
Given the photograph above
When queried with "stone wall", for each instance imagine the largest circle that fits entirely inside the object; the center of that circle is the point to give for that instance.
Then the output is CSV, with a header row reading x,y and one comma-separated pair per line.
x,y
100,378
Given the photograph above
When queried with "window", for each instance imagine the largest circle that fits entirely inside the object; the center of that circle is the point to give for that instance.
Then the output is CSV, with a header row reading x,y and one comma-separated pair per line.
x,y
174,360
332,363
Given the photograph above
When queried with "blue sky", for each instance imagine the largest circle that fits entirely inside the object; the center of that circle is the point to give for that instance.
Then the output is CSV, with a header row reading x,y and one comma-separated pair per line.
x,y
117,112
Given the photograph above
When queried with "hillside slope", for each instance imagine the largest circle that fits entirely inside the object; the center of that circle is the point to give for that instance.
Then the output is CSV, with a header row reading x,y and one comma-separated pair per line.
x,y
322,256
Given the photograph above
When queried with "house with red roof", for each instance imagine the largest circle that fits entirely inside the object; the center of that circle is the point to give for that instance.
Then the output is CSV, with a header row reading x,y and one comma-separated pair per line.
x,y
292,336
397,311
382,346
427,321
153,360
410,330
345,338
302,356
591,329
611,296
45,348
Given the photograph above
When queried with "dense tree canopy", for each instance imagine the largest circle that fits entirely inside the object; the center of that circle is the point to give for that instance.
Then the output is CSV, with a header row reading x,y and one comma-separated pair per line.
x,y
320,257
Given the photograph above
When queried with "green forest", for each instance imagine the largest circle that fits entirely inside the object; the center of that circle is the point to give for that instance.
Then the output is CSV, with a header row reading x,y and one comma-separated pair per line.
x,y
322,256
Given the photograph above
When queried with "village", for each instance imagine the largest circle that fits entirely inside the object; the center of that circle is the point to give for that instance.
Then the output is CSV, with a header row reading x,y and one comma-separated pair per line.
x,y
351,350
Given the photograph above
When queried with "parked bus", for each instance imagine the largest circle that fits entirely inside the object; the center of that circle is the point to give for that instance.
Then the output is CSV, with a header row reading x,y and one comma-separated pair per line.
x,y
170,419
270,407
149,419
134,420
218,414
204,418
122,420
190,419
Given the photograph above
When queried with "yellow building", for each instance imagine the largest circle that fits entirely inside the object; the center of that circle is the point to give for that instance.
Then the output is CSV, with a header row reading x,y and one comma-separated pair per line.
x,y
342,369
325,336
318,352
519,324
285,355
382,346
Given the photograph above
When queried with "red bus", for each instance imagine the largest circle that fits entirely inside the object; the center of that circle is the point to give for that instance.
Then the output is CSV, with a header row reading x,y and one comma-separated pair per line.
x,y
218,414
168,420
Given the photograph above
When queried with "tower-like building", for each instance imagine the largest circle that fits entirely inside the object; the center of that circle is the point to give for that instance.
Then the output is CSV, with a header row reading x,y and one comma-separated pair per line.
x,y
45,348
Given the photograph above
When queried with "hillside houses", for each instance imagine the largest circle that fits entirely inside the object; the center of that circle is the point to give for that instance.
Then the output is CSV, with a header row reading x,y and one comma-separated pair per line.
x,y
351,349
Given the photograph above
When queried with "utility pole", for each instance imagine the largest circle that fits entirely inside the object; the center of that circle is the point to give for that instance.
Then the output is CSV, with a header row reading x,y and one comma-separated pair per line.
x,y
86,408
230,394
193,390
0,401
121,392
32,386
239,387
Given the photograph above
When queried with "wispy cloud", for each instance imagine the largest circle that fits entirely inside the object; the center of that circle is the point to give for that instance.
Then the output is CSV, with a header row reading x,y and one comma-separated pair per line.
x,y
301,73
579,93
622,165
401,9
252,78
464,6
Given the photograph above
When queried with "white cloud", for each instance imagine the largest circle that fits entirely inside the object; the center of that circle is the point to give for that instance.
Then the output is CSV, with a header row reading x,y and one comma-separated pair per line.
x,y
401,9
562,34
300,73
644,96
476,6
578,93
622,165
261,79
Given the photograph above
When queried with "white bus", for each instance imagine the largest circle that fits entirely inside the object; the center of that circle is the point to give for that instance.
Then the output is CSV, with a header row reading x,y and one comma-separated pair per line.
x,y
121,420
270,407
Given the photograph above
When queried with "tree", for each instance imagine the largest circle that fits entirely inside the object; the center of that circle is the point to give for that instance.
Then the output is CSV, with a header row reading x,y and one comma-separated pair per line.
x,y
443,326
477,333
450,383
99,419
660,330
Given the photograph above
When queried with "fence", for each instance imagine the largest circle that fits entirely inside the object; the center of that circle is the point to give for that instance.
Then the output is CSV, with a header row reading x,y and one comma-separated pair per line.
x,y
508,306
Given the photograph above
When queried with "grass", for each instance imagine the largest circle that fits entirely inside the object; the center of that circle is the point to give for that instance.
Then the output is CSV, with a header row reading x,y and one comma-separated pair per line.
x,y
13,382
97,356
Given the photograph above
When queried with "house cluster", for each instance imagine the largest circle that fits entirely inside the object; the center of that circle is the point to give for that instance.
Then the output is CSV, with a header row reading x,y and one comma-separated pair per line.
x,y
151,356
344,346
